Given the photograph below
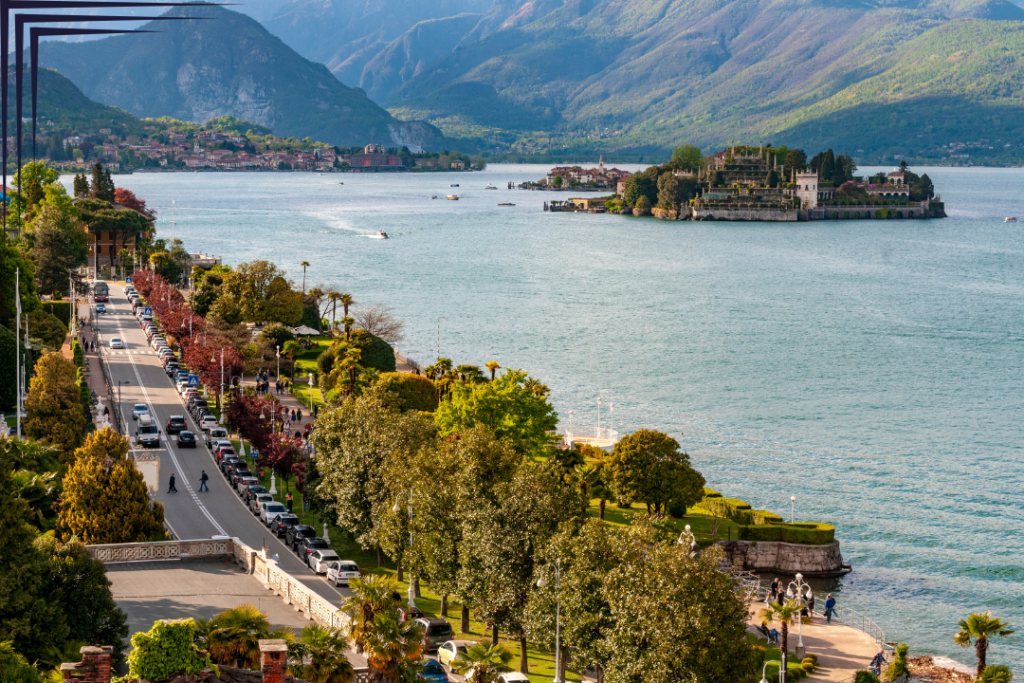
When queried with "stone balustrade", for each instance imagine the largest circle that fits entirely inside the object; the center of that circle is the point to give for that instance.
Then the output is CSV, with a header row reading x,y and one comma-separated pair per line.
x,y
292,591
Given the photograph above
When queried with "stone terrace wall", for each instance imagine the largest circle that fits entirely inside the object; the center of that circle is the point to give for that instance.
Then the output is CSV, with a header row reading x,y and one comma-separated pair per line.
x,y
785,558
744,214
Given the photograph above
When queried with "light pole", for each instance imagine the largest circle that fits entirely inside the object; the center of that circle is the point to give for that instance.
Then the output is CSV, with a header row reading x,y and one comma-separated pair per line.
x,y
798,590
278,354
119,383
764,678
311,393
558,618
412,590
792,508
214,360
440,318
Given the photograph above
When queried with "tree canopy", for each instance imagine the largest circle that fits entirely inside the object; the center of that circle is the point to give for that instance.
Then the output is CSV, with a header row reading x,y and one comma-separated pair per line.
x,y
648,467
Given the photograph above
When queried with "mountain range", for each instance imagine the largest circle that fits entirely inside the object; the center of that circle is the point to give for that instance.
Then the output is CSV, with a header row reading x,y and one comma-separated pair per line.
x,y
228,64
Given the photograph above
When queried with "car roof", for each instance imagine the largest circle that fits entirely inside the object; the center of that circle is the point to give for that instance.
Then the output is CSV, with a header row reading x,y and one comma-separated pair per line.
x,y
433,621
461,643
327,552
185,431
177,417
141,405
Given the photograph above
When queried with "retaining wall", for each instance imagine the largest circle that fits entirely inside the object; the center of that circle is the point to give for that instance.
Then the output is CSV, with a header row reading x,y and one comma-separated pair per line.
x,y
785,558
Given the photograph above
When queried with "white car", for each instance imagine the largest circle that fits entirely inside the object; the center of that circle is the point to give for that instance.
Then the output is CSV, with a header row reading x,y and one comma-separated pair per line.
x,y
342,572
447,653
208,422
257,502
139,410
320,558
270,511
116,343
513,677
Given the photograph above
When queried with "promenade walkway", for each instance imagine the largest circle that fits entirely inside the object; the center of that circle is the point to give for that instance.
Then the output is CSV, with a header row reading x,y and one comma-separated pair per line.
x,y
841,650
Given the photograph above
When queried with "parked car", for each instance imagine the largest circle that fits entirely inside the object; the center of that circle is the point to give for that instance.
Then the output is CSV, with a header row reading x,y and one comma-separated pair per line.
x,y
270,510
239,472
186,439
251,490
343,571
139,410
308,545
224,452
449,651
176,424
207,421
281,524
432,672
296,534
513,677
258,500
227,465
406,613
101,308
320,558
436,631
171,368
242,485
116,343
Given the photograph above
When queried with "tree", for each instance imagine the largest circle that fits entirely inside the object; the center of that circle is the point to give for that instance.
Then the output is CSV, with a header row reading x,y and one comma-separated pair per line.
x,y
648,467
923,189
325,649
411,392
101,215
304,264
167,650
127,199
492,367
105,497
81,185
48,328
786,614
263,293
688,156
796,160
28,614
54,404
14,668
773,178
80,586
379,321
643,184
393,649
234,636
668,189
978,630
484,663
102,187
503,540
371,595
59,245
557,181
898,671
507,406
995,674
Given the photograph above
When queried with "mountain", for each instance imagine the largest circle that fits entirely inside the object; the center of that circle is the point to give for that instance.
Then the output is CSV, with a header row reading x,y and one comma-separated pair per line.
x,y
228,65
346,35
651,74
61,103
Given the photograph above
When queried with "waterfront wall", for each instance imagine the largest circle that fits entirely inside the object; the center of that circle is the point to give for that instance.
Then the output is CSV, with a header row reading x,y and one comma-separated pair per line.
x,y
785,558
744,214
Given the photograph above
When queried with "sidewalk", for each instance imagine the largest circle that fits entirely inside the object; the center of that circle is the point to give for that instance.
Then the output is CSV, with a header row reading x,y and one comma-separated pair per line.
x,y
288,401
842,650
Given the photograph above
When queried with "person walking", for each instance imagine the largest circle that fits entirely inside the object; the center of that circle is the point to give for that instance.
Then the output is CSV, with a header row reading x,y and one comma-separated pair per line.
x,y
288,501
810,606
830,608
203,478
774,589
298,414
172,488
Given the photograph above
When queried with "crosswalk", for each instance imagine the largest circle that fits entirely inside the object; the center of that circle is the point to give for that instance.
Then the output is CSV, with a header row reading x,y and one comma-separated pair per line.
x,y
127,352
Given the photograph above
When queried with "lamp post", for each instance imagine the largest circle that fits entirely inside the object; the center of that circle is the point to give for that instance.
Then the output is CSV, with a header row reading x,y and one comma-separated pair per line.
x,y
119,383
798,590
764,678
598,435
792,512
214,360
278,354
541,582
440,318
311,393
412,590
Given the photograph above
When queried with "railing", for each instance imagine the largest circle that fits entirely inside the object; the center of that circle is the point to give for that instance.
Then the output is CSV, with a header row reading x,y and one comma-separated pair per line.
x,y
402,358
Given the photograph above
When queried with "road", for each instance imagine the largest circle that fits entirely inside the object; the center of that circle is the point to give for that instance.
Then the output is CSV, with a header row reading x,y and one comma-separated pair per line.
x,y
189,514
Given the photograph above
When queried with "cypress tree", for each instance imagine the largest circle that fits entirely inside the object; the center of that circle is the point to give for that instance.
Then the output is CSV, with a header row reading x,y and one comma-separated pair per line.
x,y
81,185
54,404
828,166
96,187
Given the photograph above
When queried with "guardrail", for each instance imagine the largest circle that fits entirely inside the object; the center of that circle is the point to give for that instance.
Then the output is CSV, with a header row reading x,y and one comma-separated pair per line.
x,y
402,358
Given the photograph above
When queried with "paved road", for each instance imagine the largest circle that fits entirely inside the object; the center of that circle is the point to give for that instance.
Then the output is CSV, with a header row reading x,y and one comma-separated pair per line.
x,y
189,514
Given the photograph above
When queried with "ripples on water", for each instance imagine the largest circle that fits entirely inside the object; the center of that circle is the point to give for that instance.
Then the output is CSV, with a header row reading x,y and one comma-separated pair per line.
x,y
873,369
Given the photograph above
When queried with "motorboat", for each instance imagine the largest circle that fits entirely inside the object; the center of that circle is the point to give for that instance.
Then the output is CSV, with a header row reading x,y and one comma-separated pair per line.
x,y
381,235
505,204
1010,219
490,187
453,197
454,185
433,196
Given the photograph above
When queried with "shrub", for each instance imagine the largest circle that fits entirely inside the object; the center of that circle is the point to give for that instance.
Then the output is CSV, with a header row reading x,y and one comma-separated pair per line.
x,y
865,677
325,362
807,665
276,334
414,392
167,650
766,517
676,510
806,534
811,656
59,309
49,328
711,493
376,353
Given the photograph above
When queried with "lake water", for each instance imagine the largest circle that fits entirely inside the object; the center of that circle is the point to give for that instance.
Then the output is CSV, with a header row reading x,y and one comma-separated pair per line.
x,y
872,369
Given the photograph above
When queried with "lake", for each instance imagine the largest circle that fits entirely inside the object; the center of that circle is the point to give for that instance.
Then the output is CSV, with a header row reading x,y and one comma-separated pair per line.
x,y
872,369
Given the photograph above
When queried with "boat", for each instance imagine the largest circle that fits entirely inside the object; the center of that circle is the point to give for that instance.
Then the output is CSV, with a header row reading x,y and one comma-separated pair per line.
x,y
433,196
453,197
490,187
341,183
382,235
1010,219
505,204
454,185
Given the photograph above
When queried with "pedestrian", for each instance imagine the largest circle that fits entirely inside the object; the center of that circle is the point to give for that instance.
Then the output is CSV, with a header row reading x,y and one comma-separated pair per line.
x,y
316,411
781,599
810,606
877,663
830,608
288,501
293,415
172,488
203,478
298,414
774,589
106,412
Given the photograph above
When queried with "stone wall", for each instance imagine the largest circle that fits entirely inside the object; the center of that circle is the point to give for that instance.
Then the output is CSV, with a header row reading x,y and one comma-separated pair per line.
x,y
744,214
785,558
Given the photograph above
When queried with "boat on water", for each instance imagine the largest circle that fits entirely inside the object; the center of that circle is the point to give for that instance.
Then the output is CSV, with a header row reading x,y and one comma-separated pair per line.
x,y
453,197
433,196
490,187
505,204
1010,219
381,235
454,185
341,183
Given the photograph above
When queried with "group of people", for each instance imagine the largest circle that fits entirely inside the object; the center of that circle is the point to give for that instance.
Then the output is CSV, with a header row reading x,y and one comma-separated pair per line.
x,y
777,594
89,345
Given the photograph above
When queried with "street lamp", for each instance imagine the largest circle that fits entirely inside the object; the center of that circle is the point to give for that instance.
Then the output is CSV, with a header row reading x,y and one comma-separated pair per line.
x,y
541,582
764,678
311,393
412,591
792,512
278,361
798,590
119,383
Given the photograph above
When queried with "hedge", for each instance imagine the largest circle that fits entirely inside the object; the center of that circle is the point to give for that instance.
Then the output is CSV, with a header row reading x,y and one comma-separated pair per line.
x,y
711,493
61,309
807,533
376,353
414,392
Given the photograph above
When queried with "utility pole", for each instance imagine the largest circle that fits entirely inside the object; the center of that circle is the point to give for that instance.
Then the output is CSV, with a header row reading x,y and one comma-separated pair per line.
x,y
17,349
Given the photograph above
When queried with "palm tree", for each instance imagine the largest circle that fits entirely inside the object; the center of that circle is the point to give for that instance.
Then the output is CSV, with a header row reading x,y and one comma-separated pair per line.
x,y
393,648
785,613
348,321
304,264
370,595
996,674
976,630
334,298
236,634
588,477
493,366
325,648
485,663
346,300
536,387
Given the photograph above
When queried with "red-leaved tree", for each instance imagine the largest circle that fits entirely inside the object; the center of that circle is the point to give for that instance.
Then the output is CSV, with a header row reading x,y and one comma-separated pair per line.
x,y
127,199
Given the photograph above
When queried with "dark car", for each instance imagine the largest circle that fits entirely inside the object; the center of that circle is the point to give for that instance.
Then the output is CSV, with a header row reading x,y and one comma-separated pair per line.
x,y
251,492
281,524
407,613
435,632
227,465
308,545
176,424
237,472
186,439
297,533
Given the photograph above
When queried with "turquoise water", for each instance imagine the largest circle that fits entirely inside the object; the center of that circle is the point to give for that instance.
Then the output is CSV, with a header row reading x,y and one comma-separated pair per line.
x,y
872,369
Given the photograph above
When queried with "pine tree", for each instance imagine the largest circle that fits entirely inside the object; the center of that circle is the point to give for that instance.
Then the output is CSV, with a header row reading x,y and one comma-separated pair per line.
x,y
96,186
54,404
81,185
107,187
105,497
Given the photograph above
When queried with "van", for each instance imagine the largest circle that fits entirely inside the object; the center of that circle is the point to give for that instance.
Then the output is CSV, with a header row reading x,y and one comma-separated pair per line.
x,y
147,434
